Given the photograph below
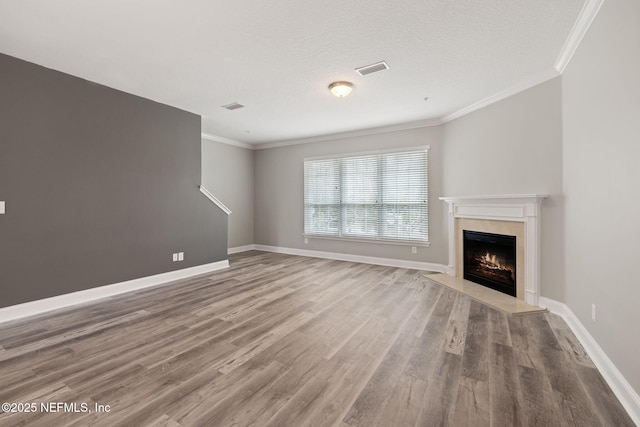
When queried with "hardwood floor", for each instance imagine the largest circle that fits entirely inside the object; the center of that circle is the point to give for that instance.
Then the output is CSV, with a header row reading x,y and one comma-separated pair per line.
x,y
278,340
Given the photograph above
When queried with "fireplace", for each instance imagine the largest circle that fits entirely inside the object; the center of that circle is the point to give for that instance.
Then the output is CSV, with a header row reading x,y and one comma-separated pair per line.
x,y
490,260
512,215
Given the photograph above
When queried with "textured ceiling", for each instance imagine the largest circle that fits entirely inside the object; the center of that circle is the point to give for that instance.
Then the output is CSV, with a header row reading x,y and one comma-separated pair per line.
x,y
277,58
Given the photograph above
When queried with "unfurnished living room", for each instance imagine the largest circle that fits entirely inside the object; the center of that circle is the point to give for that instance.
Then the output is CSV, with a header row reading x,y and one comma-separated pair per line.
x,y
294,213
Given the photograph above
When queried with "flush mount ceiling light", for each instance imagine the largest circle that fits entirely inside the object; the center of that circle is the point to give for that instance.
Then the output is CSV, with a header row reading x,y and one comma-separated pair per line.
x,y
341,89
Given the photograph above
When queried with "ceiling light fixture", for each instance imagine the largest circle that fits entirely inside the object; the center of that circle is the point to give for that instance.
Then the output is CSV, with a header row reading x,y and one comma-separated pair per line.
x,y
341,89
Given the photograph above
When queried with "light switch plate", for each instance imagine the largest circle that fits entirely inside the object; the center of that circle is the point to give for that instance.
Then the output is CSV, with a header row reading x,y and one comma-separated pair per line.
x,y
180,256
1,208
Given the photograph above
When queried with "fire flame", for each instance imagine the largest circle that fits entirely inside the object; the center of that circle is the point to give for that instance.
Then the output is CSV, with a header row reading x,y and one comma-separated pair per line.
x,y
492,262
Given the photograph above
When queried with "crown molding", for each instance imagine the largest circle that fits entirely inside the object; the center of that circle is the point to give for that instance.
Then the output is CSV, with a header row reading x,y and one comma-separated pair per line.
x,y
517,88
584,21
585,18
580,28
228,141
351,134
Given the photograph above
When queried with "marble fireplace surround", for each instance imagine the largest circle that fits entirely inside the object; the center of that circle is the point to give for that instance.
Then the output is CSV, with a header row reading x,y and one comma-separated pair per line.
x,y
517,215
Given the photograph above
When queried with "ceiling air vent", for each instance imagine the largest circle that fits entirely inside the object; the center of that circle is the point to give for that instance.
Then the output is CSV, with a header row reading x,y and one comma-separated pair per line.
x,y
373,68
233,106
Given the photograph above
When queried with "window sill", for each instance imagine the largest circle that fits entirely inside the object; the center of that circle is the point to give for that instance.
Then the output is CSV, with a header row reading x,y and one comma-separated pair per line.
x,y
364,240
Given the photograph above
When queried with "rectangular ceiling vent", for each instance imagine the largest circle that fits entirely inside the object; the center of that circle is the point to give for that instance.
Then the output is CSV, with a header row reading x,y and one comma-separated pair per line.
x,y
373,68
233,106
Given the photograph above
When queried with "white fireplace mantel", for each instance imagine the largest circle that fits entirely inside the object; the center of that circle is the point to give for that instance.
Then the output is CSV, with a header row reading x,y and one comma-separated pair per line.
x,y
523,208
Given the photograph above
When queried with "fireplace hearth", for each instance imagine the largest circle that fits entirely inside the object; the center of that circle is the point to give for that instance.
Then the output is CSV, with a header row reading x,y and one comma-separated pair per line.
x,y
490,260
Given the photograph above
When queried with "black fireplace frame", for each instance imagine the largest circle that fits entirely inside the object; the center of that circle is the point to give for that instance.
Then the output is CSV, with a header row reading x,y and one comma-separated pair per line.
x,y
499,239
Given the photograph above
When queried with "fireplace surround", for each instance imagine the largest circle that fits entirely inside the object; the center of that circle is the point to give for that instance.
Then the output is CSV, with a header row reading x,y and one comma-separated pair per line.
x,y
515,215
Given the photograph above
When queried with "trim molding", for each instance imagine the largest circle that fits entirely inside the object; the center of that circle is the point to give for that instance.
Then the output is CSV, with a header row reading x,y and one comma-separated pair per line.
x,y
33,308
351,134
213,198
239,249
504,94
585,19
580,28
388,262
628,397
228,141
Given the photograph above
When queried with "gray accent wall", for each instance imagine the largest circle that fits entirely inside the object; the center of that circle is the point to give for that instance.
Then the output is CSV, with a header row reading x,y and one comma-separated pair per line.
x,y
279,192
100,186
227,171
601,125
514,146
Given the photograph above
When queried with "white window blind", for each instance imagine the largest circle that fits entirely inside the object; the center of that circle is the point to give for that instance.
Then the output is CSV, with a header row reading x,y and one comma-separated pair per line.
x,y
322,197
374,196
359,184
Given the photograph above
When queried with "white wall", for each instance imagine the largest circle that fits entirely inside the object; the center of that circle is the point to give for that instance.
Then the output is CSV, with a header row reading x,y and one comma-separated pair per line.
x,y
279,179
227,172
601,124
514,147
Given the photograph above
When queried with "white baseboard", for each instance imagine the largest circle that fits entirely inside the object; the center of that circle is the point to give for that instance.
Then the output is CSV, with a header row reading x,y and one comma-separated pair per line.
x,y
627,396
239,249
389,262
32,308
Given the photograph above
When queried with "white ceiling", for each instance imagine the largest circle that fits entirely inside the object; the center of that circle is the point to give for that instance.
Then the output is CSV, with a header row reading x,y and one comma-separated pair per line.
x,y
278,57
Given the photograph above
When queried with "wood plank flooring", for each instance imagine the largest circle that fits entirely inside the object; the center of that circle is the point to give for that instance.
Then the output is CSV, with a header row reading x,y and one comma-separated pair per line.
x,y
279,340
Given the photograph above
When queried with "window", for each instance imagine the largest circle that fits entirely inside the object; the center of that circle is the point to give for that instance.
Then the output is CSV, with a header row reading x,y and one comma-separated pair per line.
x,y
380,196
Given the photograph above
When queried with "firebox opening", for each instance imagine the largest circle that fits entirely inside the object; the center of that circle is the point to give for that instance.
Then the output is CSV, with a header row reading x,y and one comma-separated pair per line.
x,y
490,260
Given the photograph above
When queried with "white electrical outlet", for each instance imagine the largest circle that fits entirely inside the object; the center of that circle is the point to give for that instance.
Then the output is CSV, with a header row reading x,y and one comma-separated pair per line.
x,y
175,257
1,208
594,312
414,250
180,256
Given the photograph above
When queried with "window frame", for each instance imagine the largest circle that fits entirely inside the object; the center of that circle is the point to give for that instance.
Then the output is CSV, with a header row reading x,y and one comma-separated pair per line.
x,y
340,206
